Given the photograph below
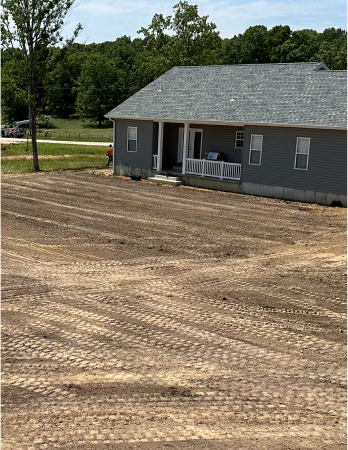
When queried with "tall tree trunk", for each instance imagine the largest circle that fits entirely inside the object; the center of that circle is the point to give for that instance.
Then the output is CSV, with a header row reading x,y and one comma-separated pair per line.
x,y
32,118
33,139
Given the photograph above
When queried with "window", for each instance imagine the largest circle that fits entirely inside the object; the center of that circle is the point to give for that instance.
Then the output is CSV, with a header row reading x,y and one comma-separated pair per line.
x,y
239,139
255,149
132,139
302,153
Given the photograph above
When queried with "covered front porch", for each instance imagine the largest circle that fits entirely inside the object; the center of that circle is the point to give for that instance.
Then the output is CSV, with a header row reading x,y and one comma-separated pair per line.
x,y
194,150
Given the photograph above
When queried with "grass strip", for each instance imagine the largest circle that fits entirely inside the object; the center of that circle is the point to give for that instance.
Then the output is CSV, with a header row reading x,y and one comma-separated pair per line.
x,y
47,165
52,149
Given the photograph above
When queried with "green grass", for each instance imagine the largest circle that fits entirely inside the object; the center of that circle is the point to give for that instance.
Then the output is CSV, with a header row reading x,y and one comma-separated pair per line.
x,y
53,149
47,165
82,161
76,130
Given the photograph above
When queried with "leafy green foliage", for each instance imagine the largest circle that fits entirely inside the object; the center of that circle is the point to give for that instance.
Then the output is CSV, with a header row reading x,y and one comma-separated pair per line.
x,y
14,95
89,80
280,44
102,85
60,83
33,26
184,39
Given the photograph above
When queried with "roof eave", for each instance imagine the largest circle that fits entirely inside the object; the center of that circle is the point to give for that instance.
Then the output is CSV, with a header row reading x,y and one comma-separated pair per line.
x,y
216,122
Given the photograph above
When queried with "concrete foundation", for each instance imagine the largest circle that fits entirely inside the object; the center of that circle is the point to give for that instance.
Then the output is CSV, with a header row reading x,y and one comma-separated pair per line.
x,y
278,192
261,190
299,195
343,200
288,194
210,183
309,196
126,170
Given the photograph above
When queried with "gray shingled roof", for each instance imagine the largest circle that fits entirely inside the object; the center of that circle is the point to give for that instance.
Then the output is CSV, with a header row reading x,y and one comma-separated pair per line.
x,y
293,94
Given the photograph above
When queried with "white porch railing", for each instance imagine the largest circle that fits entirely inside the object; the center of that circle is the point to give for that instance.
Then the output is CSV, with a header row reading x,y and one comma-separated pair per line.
x,y
155,162
216,169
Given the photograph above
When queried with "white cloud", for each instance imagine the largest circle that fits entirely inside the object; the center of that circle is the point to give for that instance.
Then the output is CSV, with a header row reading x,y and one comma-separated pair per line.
x,y
109,19
119,7
232,18
262,9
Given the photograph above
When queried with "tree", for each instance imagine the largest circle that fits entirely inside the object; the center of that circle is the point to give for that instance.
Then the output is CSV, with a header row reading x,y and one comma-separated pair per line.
x,y
184,39
256,45
247,48
333,48
13,94
61,82
302,46
334,54
102,86
333,34
33,26
274,40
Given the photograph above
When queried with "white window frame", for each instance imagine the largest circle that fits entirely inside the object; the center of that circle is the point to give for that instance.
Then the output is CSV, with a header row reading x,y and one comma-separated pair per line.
x,y
239,139
255,150
136,139
301,153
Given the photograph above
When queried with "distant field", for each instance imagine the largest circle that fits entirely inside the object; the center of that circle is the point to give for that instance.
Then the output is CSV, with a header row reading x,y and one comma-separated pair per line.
x,y
75,130
79,157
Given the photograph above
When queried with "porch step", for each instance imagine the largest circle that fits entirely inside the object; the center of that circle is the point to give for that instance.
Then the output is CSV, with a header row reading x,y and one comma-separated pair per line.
x,y
176,181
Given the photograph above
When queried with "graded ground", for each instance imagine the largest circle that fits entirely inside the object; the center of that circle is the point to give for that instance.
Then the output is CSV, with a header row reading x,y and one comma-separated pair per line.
x,y
151,317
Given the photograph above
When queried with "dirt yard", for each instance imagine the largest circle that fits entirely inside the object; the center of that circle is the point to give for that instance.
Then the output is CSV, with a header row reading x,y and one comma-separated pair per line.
x,y
138,316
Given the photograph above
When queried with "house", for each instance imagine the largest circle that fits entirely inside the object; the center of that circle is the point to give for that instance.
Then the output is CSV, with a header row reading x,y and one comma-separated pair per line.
x,y
273,130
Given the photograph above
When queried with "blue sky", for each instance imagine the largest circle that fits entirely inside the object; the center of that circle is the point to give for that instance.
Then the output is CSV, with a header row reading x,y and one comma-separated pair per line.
x,y
108,19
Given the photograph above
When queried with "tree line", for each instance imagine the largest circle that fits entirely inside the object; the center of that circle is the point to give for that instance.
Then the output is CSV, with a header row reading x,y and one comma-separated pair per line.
x,y
88,80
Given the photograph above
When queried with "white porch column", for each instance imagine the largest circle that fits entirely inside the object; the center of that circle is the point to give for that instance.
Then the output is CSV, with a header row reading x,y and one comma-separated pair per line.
x,y
160,146
185,147
114,146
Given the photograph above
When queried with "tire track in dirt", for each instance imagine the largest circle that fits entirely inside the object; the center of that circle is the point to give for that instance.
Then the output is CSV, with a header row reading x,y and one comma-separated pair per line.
x,y
190,330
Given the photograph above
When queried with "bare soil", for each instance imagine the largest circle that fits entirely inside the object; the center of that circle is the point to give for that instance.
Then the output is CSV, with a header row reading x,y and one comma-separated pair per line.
x,y
152,317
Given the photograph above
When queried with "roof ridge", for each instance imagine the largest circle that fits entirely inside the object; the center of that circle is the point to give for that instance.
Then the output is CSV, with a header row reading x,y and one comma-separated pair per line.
x,y
290,93
251,64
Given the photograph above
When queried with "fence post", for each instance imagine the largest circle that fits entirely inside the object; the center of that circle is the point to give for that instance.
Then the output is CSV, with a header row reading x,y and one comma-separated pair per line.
x,y
221,169
203,167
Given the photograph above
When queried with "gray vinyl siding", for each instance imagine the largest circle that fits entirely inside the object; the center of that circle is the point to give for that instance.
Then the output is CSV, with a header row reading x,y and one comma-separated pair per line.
x,y
142,158
221,139
326,165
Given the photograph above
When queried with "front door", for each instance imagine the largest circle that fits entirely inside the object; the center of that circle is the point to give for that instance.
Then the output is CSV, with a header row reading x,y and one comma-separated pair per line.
x,y
195,143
